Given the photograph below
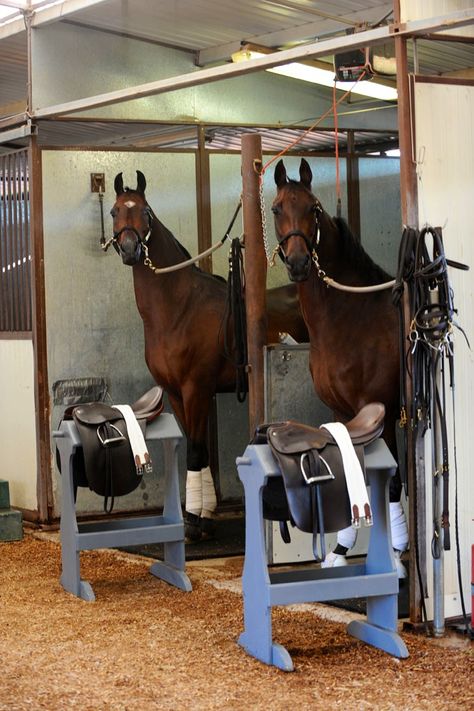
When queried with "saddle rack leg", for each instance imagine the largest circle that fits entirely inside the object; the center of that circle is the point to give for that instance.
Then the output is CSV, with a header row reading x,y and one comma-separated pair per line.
x,y
71,574
171,570
256,638
380,628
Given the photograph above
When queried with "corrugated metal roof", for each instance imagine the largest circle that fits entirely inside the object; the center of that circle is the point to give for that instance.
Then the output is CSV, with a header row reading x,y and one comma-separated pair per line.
x,y
152,136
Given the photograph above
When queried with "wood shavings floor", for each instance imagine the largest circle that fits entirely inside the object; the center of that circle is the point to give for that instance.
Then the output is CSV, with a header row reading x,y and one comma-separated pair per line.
x,y
145,645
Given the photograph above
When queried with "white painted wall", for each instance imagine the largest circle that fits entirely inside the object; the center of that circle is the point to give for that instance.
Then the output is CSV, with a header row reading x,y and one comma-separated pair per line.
x,y
422,9
445,146
18,427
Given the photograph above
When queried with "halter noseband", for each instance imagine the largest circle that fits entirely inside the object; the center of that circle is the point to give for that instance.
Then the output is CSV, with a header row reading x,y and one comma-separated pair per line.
x,y
141,240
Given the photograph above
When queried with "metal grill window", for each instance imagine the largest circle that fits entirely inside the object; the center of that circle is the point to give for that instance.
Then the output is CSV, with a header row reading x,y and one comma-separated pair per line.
x,y
15,252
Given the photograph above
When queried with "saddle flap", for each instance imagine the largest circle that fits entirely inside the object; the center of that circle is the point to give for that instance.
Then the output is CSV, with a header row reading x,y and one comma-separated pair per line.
x,y
95,413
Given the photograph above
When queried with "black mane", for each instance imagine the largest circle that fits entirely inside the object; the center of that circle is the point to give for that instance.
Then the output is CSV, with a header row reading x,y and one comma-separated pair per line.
x,y
356,254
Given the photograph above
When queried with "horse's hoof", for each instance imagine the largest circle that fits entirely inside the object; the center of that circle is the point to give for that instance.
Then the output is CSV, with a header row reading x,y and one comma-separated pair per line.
x,y
192,527
208,527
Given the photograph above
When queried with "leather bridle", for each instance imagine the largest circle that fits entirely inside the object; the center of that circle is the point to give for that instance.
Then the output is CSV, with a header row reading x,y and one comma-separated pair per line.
x,y
142,241
310,242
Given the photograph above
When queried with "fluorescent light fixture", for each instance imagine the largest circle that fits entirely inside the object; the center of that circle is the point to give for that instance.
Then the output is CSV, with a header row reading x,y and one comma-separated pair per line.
x,y
324,77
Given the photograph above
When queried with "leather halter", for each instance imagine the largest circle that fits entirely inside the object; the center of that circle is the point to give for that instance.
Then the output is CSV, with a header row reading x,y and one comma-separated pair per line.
x,y
141,240
310,243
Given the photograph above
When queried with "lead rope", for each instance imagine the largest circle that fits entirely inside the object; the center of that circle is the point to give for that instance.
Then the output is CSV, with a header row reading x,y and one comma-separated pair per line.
x,y
101,207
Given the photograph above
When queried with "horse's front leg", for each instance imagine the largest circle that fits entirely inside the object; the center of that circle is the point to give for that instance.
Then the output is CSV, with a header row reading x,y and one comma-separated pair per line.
x,y
201,500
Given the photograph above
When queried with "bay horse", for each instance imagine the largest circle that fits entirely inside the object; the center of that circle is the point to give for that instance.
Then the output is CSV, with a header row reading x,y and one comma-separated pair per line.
x,y
354,347
183,315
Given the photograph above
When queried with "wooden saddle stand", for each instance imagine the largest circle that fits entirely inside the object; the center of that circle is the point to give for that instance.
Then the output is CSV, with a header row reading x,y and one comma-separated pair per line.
x,y
96,447
295,473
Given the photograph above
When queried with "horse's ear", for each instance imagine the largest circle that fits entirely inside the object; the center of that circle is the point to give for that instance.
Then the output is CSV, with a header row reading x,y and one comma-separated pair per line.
x,y
280,174
118,184
306,175
141,182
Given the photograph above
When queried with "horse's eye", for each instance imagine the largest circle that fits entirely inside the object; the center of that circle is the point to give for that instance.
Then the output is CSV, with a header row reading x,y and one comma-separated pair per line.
x,y
113,212
276,209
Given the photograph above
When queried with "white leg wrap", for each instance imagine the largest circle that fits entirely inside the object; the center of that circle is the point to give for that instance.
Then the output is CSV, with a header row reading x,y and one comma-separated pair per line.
x,y
347,537
398,523
193,492
209,501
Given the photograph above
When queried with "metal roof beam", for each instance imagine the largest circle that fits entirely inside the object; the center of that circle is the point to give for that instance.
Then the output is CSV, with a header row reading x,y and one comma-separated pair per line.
x,y
228,71
310,30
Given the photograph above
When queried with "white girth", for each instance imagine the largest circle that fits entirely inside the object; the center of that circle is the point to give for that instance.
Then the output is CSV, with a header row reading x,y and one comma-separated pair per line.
x,y
140,452
356,488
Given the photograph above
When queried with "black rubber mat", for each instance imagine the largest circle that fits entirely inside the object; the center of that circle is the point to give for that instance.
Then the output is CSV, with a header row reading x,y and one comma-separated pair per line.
x,y
229,540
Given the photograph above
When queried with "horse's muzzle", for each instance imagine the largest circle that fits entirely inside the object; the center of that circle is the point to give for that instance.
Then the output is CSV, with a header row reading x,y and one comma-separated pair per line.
x,y
130,249
298,267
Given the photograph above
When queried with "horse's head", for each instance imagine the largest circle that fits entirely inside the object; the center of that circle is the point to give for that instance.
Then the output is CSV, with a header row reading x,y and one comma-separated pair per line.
x,y
297,213
132,219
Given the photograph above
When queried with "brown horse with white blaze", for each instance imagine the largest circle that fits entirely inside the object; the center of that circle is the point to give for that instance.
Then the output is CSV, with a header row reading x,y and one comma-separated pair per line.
x,y
183,315
354,349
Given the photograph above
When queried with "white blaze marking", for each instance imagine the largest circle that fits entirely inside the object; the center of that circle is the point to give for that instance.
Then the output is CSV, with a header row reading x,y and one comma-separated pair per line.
x,y
130,203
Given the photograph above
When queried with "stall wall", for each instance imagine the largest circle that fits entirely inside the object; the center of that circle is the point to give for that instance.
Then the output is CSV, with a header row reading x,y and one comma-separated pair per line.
x,y
18,463
446,186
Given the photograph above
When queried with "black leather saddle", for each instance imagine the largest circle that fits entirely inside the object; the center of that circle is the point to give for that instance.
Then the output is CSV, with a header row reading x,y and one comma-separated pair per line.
x,y
311,493
105,462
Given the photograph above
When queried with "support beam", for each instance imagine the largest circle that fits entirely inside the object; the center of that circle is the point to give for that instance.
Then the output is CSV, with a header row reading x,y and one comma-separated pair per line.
x,y
255,262
42,401
203,199
228,71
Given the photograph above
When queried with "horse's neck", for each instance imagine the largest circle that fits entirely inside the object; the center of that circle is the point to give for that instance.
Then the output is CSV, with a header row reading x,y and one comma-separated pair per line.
x,y
161,298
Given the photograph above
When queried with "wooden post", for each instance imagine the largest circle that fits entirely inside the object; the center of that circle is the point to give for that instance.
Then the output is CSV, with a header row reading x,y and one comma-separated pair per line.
x,y
409,208
255,263
42,402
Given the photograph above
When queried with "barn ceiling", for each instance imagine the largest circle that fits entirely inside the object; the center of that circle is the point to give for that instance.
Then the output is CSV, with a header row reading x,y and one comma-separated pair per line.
x,y
211,31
